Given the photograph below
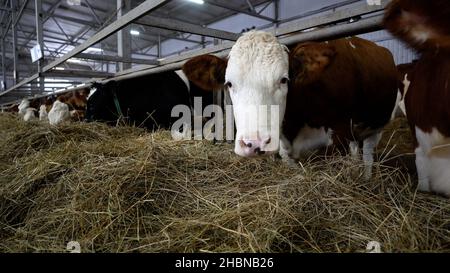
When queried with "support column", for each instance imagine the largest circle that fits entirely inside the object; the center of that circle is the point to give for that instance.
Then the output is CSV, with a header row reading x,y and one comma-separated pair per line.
x,y
13,5
40,41
123,36
217,94
3,65
277,12
159,47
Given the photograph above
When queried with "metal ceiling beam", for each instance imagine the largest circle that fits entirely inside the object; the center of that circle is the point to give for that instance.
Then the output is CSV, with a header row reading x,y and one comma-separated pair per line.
x,y
62,30
19,14
6,11
86,30
77,74
124,46
3,65
336,16
131,16
40,40
46,18
14,43
252,8
362,26
76,20
225,6
94,14
342,30
107,58
83,22
171,24
94,25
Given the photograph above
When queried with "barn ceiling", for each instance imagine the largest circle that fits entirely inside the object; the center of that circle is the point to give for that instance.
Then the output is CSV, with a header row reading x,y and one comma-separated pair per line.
x,y
69,25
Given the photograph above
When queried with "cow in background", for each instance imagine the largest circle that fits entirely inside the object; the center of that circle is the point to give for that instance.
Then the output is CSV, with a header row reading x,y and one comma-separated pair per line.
x,y
404,75
425,26
146,101
43,115
59,113
27,109
341,91
70,106
14,108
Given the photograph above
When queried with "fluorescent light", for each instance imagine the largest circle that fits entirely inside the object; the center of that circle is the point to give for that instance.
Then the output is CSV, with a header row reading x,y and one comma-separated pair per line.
x,y
200,2
94,49
60,68
76,61
134,32
56,80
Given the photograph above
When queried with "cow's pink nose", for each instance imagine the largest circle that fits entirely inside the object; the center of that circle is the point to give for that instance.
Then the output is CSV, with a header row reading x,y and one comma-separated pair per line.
x,y
254,147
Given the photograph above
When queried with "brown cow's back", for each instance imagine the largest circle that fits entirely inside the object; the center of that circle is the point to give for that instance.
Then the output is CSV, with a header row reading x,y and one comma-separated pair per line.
x,y
358,87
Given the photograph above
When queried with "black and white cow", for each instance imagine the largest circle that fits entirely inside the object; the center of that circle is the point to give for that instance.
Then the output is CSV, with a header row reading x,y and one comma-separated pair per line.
x,y
145,101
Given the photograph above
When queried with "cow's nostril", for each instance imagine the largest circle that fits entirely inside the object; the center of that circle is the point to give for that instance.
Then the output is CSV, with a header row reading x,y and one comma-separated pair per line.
x,y
268,140
259,152
249,145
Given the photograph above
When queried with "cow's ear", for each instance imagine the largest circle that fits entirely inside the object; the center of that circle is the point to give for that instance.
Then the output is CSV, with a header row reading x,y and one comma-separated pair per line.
x,y
308,61
206,71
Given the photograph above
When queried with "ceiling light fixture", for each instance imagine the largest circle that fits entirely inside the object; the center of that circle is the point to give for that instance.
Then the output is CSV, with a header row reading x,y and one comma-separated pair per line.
x,y
76,61
200,2
134,32
94,49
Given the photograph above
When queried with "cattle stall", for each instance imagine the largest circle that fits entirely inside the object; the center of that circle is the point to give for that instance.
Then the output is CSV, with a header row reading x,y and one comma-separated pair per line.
x,y
120,177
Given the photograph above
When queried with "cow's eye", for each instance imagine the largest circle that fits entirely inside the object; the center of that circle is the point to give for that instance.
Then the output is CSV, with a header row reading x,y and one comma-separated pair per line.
x,y
284,80
228,84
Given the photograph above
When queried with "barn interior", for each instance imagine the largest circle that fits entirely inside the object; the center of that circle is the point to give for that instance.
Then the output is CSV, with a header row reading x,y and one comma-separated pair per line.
x,y
124,189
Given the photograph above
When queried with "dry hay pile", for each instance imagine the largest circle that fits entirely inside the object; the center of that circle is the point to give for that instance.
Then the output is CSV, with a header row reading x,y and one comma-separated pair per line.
x,y
124,190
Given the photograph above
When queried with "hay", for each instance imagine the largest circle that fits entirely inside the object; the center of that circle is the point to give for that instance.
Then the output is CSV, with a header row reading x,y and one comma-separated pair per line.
x,y
124,190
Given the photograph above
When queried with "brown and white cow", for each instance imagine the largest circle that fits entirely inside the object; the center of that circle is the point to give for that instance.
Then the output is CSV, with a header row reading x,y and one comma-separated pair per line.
x,y
27,109
404,77
341,90
68,106
425,26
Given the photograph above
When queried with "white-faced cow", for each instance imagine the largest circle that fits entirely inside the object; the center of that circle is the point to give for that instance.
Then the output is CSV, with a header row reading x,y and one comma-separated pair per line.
x,y
425,26
342,91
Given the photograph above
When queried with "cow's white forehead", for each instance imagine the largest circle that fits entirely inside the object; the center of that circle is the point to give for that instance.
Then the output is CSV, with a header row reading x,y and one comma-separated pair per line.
x,y
258,48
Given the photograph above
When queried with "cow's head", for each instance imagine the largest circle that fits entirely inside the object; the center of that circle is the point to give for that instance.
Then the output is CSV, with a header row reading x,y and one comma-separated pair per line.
x,y
256,75
421,24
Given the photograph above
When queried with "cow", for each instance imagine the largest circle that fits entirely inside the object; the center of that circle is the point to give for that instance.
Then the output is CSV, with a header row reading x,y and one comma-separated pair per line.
x,y
14,108
43,115
424,26
59,113
146,101
30,114
22,108
404,75
28,109
76,100
329,92
71,106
